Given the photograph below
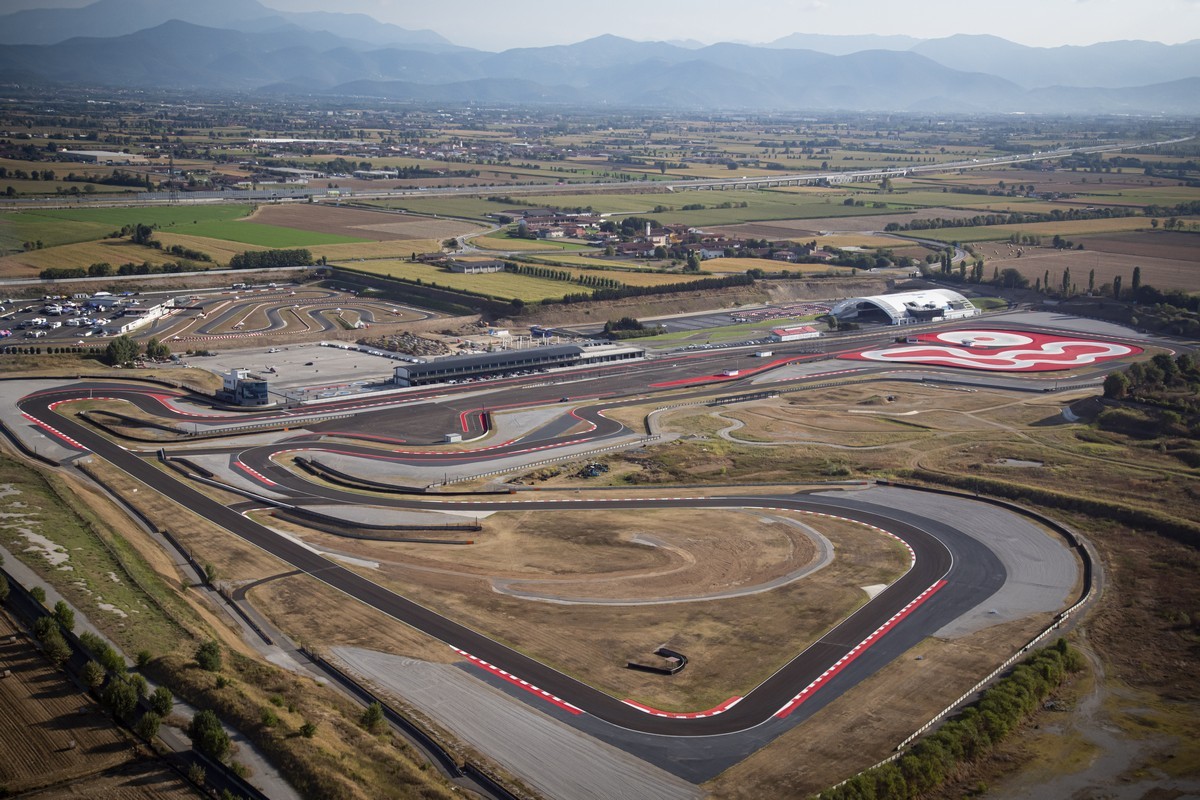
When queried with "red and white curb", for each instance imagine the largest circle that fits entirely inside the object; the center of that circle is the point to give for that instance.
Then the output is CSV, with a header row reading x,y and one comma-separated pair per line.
x,y
54,431
254,473
515,681
859,649
712,712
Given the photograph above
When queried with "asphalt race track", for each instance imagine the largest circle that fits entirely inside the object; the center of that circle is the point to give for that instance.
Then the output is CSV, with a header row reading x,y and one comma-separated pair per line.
x,y
951,573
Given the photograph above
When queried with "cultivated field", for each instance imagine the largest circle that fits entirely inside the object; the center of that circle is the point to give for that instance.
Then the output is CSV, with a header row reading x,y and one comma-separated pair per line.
x,y
356,223
807,229
43,714
1167,260
1047,230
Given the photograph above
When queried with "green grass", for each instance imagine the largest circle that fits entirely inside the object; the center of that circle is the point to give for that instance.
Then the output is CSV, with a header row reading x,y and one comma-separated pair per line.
x,y
95,577
500,285
70,226
988,303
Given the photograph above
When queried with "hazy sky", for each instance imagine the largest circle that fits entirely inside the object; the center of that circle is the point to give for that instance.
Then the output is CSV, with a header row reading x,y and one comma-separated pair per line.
x,y
497,25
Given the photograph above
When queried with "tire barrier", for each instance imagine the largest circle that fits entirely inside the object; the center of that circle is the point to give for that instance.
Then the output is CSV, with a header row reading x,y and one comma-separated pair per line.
x,y
640,443
741,398
326,472
372,533
676,659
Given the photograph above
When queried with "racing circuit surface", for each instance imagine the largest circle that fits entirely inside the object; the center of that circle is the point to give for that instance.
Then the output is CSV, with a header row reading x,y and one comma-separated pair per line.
x,y
952,570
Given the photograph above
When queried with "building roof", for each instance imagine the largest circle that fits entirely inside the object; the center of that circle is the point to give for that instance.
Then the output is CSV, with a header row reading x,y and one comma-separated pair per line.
x,y
501,360
898,305
793,329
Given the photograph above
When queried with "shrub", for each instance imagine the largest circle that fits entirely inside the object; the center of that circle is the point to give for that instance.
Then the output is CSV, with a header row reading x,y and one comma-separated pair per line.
x,y
208,656
162,701
268,717
39,594
64,615
308,730
144,658
56,647
372,718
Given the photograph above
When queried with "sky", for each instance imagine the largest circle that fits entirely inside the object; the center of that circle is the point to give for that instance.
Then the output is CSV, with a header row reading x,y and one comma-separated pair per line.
x,y
497,25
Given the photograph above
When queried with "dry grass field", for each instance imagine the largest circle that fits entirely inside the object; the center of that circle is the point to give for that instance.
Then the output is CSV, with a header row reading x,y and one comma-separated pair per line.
x,y
1168,260
764,629
112,251
1047,230
808,229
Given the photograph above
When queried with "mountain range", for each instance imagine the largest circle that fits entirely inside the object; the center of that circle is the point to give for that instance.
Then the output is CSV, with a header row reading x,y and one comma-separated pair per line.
x,y
241,45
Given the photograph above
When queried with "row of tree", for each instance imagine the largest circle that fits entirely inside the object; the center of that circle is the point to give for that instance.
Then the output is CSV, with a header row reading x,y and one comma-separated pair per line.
x,y
969,736
268,259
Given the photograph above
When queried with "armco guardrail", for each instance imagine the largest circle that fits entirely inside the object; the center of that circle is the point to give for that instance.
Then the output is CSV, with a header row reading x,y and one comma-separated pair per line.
x,y
545,461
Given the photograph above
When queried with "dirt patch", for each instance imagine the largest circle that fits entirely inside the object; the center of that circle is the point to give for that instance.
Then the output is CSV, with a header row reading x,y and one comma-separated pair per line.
x,y
380,226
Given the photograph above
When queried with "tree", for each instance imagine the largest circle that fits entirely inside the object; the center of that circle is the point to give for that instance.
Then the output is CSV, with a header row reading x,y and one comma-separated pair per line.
x,y
208,656
208,736
39,594
4,589
92,675
55,647
1117,288
1091,281
141,234
372,718
147,726
162,701
1116,385
1136,281
64,615
156,349
693,262
121,350
119,697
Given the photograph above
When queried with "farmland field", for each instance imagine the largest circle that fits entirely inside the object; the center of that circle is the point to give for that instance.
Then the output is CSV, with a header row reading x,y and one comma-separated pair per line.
x,y
1167,260
357,223
807,229
501,285
731,265
68,226
995,233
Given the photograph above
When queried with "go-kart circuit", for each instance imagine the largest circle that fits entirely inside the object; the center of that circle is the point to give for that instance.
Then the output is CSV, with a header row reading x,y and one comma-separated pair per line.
x,y
1001,351
380,453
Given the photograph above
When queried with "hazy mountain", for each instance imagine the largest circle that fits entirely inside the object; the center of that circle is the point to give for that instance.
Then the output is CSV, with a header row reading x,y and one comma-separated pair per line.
x,y
281,57
835,45
110,18
1109,64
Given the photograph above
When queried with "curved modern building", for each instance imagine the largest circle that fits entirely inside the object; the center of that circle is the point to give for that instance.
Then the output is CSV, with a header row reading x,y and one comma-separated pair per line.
x,y
906,308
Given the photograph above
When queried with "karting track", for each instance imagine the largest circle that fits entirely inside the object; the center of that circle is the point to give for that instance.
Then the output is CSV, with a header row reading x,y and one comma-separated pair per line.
x,y
951,573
